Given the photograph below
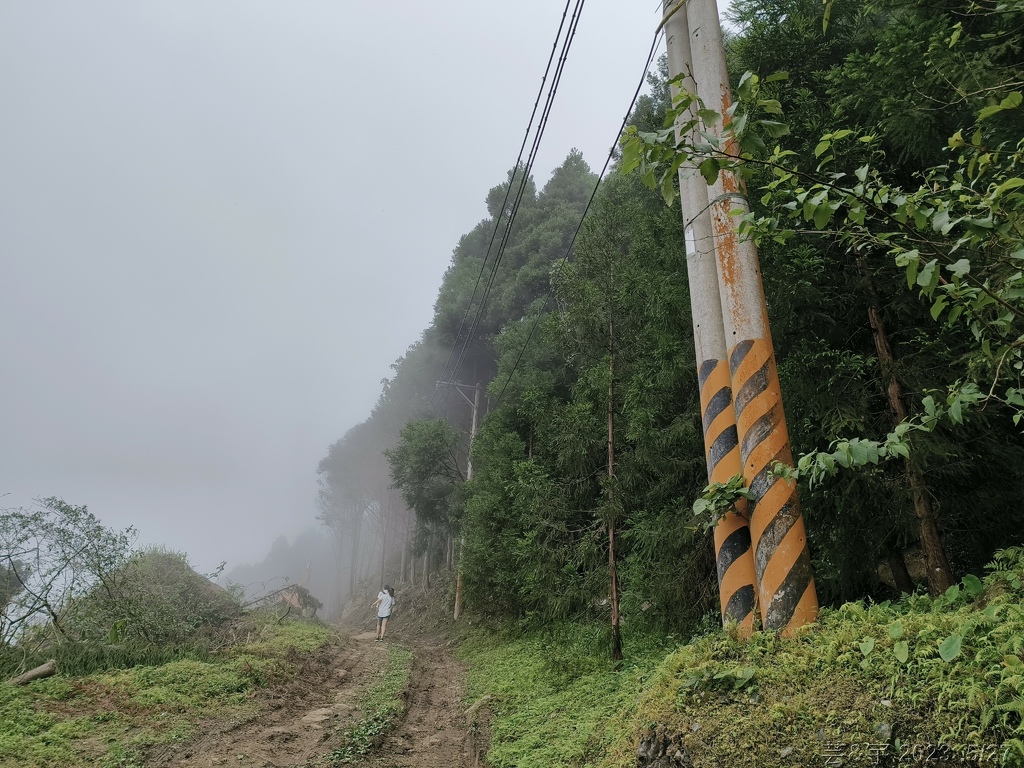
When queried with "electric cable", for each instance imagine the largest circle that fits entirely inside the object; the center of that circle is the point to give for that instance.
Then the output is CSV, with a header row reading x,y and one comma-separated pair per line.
x,y
519,158
524,182
593,194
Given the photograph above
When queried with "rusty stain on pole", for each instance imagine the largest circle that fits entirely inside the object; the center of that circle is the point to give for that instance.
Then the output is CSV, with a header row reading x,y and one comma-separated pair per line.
x,y
733,554
785,580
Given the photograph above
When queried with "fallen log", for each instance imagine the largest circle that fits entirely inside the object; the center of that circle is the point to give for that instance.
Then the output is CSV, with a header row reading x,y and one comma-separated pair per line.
x,y
44,670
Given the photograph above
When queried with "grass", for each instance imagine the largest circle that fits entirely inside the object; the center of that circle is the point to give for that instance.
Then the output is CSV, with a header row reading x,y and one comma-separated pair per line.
x,y
381,704
555,697
107,719
871,683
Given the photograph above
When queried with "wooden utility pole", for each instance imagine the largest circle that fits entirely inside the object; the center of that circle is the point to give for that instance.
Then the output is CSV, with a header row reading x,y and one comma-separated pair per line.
x,y
733,554
782,565
474,405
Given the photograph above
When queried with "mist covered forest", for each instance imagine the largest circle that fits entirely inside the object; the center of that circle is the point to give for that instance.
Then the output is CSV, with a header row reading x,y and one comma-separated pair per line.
x,y
564,334
534,477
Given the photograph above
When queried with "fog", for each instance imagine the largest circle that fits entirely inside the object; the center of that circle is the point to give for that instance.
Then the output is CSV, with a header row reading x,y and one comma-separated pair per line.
x,y
220,223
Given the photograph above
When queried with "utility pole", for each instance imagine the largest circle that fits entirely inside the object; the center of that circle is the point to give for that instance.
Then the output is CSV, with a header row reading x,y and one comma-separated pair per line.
x,y
785,581
733,555
474,405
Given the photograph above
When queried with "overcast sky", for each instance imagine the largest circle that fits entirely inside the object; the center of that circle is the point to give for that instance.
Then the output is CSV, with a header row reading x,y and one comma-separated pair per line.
x,y
221,222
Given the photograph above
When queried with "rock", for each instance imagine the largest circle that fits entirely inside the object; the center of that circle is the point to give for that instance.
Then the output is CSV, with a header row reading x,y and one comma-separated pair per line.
x,y
883,731
786,752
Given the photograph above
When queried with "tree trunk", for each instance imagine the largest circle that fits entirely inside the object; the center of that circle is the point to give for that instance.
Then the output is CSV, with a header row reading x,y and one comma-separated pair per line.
x,y
613,574
900,574
353,573
940,576
45,670
426,562
383,545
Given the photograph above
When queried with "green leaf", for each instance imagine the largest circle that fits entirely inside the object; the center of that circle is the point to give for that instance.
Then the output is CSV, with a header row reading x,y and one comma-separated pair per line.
x,y
960,268
867,646
949,648
777,76
745,88
896,630
709,170
822,214
709,116
1009,184
822,148
901,651
928,275
775,129
1012,101
957,31
973,585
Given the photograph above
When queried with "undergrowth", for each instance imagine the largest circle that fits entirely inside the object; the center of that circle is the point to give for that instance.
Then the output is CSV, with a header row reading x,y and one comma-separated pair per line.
x,y
555,696
919,681
382,704
106,719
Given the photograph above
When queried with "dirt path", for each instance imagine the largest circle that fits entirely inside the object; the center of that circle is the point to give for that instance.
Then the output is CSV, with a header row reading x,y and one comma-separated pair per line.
x,y
297,725
433,733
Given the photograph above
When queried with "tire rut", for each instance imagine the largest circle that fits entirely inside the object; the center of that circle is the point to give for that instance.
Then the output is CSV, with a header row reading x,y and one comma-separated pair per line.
x,y
297,724
433,733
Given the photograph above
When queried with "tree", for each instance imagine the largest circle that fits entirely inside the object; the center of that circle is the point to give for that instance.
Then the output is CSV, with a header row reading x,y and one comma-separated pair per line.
x,y
51,557
859,218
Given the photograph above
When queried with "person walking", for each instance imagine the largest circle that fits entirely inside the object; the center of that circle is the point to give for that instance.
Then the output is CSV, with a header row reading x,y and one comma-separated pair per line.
x,y
384,603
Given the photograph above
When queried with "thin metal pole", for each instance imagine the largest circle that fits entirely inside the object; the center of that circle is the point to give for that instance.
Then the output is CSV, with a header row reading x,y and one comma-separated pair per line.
x,y
469,476
733,554
782,563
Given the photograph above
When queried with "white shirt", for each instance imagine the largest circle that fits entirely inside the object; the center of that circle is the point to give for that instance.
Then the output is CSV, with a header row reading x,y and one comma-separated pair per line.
x,y
386,601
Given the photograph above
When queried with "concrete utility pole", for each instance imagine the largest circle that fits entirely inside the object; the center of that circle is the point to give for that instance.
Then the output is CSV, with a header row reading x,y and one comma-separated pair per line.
x,y
733,554
782,564
474,404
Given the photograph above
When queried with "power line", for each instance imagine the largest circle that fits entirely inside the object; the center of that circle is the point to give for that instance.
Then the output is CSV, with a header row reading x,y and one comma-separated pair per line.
x,y
524,181
593,194
508,190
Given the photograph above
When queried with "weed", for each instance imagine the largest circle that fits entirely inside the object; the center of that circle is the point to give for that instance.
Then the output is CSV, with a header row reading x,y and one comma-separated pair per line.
x,y
944,673
109,718
382,706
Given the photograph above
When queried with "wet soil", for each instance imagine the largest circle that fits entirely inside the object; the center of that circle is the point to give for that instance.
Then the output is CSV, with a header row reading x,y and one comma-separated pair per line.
x,y
298,723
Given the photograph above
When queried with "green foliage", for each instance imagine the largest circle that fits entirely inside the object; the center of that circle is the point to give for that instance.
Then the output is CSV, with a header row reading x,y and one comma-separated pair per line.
x,y
852,204
425,468
154,598
381,705
106,718
943,671
50,557
554,697
720,498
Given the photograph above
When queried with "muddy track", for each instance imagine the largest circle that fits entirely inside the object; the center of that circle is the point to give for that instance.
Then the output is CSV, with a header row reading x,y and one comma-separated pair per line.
x,y
296,724
433,733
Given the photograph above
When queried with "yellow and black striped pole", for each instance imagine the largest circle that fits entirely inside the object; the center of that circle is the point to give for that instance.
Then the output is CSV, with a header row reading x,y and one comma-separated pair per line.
x,y
782,564
733,554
